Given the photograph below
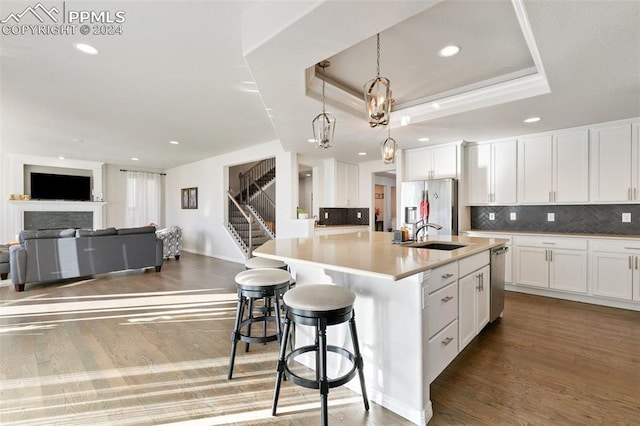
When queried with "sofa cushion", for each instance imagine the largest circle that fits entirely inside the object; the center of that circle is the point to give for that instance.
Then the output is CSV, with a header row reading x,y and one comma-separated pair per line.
x,y
49,233
96,233
140,230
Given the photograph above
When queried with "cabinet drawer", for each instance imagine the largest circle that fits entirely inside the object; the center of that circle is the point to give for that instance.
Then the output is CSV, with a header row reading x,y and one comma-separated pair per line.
x,y
473,263
442,276
552,242
616,246
443,307
443,348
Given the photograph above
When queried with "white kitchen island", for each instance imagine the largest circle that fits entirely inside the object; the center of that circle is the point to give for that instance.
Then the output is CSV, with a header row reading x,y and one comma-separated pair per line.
x,y
399,322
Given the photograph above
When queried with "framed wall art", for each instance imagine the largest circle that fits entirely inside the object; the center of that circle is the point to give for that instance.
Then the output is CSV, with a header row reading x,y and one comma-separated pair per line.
x,y
189,198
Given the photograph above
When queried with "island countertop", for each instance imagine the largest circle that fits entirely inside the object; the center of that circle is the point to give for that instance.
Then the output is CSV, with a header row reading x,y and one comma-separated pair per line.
x,y
372,253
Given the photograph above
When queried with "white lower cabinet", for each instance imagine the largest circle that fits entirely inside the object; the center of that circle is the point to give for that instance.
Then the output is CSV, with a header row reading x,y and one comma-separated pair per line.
x,y
555,263
474,290
443,348
615,269
442,303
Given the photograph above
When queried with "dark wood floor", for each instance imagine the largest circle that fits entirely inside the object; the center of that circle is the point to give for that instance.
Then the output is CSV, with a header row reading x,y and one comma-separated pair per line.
x,y
146,348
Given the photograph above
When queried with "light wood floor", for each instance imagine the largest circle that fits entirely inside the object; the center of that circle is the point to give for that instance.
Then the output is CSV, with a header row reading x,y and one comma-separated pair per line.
x,y
146,348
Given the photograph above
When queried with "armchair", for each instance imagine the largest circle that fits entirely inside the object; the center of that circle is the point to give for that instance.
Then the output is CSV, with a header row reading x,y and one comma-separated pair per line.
x,y
171,241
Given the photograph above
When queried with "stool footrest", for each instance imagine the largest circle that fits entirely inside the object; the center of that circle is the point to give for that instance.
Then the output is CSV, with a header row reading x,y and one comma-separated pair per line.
x,y
314,384
256,339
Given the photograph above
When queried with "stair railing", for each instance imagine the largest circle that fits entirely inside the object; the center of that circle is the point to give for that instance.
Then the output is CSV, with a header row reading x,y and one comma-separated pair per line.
x,y
248,178
234,205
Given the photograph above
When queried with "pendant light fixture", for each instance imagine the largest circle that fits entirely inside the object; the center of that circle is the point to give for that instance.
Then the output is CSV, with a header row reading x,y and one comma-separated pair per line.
x,y
324,124
389,148
377,96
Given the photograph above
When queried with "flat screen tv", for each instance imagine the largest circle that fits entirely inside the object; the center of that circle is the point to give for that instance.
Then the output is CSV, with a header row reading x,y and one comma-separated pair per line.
x,y
46,186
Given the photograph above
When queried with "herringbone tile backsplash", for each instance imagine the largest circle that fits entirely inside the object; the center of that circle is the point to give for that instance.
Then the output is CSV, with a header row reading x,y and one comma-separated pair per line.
x,y
583,219
344,216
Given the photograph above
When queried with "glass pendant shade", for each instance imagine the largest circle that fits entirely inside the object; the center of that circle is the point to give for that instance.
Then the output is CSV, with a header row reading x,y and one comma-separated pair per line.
x,y
324,124
377,97
389,148
323,127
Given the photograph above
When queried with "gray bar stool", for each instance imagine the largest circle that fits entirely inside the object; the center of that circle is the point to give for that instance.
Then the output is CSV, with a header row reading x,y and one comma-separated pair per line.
x,y
319,305
252,284
263,262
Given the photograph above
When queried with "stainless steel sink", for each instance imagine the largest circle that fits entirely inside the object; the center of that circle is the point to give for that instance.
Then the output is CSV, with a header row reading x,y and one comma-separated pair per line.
x,y
433,245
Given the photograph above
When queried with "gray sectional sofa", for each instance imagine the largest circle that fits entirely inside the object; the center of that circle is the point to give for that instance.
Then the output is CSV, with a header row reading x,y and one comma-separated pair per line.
x,y
58,254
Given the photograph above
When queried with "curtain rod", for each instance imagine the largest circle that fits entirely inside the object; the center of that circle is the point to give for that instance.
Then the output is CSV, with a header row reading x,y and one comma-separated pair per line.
x,y
138,171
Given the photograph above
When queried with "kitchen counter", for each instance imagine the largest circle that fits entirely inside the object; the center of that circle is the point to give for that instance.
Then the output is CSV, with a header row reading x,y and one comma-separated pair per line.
x,y
371,253
393,306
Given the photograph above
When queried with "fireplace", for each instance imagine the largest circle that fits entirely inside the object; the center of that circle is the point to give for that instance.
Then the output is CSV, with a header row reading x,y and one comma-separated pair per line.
x,y
42,220
39,215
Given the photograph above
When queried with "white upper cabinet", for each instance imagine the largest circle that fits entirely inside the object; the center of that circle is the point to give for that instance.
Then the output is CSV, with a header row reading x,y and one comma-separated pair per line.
x,y
340,184
571,167
491,173
346,184
554,169
434,162
614,164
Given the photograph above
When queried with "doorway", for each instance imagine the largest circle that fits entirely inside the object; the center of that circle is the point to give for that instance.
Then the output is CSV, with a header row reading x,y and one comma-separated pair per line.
x,y
384,202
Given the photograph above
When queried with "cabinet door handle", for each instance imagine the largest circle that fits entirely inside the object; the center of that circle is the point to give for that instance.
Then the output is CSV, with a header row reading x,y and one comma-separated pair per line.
x,y
548,243
447,299
446,276
632,248
629,194
550,197
630,262
550,255
636,257
446,341
546,255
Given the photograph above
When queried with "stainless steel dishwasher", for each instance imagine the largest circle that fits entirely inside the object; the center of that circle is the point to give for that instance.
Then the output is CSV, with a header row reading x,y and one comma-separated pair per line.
x,y
497,281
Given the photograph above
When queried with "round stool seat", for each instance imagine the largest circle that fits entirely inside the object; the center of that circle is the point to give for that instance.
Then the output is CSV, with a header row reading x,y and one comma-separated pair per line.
x,y
319,298
262,262
262,277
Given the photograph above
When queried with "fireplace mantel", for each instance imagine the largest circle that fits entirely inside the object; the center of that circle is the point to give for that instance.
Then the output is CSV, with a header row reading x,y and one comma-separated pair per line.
x,y
18,207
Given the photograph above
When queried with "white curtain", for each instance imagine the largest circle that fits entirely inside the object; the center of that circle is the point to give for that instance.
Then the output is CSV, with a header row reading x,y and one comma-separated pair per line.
x,y
143,198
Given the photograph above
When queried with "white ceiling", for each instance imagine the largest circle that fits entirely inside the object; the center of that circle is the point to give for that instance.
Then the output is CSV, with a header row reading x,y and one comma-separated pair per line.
x,y
204,73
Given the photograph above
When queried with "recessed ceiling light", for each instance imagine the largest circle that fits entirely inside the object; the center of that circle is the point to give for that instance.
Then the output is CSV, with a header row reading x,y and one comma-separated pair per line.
x,y
311,140
78,140
85,48
308,174
61,158
404,120
532,119
435,105
134,158
423,140
174,142
362,153
449,51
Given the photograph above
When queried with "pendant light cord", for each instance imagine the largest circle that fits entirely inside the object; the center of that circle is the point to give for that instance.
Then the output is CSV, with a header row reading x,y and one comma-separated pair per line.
x,y
378,53
323,109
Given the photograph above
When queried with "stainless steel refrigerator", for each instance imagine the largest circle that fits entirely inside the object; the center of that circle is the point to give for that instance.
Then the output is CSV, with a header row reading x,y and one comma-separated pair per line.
x,y
430,201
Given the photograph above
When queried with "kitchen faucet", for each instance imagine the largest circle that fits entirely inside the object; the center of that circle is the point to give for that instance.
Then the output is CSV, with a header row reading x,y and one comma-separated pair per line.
x,y
426,225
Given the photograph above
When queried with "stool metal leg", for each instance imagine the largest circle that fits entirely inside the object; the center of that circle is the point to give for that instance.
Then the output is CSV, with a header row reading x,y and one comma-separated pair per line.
x,y
235,334
322,373
246,345
358,360
281,365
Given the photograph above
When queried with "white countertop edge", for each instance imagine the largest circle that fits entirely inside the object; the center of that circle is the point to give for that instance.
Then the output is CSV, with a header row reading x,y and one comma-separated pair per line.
x,y
554,234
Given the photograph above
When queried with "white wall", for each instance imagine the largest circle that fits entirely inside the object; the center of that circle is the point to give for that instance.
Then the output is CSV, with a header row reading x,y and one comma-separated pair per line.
x,y
204,229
